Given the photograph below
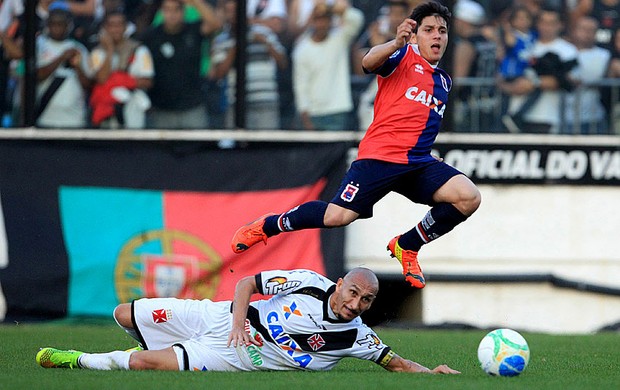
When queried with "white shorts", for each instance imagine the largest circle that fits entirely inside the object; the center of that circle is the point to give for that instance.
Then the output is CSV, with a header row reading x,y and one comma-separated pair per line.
x,y
200,328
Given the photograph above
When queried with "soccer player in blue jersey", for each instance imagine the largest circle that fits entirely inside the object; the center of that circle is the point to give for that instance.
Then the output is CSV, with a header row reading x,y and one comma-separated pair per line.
x,y
395,154
309,323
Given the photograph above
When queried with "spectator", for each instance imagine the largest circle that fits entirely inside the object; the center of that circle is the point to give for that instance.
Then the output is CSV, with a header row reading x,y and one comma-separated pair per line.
x,y
299,12
268,13
212,92
87,15
533,6
614,72
176,95
104,7
614,69
12,29
13,24
474,57
379,31
536,99
62,65
9,11
584,111
264,54
517,40
322,70
123,70
606,12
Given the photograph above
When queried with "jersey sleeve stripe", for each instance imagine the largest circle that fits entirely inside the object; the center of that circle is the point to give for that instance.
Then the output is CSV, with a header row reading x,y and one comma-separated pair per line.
x,y
386,357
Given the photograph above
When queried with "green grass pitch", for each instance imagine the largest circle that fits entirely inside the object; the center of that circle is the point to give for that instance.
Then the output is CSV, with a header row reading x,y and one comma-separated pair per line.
x,y
557,362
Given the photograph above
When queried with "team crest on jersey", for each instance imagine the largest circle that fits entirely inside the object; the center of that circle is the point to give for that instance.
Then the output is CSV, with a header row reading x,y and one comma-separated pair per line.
x,y
348,194
371,341
444,83
161,315
316,342
419,68
279,284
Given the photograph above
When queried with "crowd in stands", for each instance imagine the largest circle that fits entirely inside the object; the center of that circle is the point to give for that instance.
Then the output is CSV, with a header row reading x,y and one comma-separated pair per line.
x,y
522,66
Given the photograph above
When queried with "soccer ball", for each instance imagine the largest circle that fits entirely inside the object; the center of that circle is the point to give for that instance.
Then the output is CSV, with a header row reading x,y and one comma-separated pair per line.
x,y
503,352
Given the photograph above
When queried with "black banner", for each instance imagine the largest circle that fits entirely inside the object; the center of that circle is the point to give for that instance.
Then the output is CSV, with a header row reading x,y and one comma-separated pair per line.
x,y
534,164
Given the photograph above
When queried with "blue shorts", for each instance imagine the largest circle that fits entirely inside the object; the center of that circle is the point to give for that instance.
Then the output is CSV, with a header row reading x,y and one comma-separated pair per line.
x,y
367,181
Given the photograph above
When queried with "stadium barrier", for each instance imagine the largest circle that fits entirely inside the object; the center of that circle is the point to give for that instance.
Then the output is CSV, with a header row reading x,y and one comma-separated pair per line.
x,y
483,105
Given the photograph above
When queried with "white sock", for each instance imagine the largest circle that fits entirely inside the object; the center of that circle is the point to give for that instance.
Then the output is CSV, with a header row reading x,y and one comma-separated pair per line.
x,y
117,360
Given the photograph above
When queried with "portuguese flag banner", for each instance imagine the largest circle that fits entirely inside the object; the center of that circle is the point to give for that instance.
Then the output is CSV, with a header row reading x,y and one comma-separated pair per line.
x,y
91,224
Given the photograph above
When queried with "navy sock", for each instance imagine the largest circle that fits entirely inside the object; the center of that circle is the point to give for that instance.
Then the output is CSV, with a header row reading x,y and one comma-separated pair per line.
x,y
438,221
305,216
270,227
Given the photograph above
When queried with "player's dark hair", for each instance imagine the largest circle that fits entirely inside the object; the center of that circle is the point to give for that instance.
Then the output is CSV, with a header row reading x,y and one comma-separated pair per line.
x,y
431,8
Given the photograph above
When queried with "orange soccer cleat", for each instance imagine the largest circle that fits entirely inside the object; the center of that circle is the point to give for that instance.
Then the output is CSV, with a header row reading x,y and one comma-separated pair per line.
x,y
250,234
409,260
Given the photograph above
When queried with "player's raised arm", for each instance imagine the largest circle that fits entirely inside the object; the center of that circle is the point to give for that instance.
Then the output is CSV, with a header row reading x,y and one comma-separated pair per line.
x,y
380,53
243,292
398,364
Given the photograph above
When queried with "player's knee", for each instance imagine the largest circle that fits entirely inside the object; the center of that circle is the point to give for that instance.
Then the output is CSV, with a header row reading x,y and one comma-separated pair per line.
x,y
337,220
161,360
336,216
122,315
137,362
470,201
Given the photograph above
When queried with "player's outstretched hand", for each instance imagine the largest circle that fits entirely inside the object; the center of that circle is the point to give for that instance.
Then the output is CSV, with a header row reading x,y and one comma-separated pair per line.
x,y
444,369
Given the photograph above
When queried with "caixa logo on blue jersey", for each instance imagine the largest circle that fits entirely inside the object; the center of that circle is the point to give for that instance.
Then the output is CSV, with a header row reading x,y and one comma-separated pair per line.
x,y
426,98
285,342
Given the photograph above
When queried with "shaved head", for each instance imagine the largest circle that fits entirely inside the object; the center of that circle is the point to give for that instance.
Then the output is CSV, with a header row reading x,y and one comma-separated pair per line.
x,y
364,276
355,293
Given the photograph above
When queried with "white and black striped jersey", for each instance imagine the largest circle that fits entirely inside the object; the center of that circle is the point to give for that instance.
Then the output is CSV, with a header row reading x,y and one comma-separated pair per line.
x,y
297,330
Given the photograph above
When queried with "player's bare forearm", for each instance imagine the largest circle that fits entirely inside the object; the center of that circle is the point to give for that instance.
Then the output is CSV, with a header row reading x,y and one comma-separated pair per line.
x,y
380,53
398,364
243,292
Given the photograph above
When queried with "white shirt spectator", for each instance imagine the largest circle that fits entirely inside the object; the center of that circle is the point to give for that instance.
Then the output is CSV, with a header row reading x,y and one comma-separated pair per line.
x,y
305,8
586,101
9,10
547,109
67,107
141,66
321,70
264,9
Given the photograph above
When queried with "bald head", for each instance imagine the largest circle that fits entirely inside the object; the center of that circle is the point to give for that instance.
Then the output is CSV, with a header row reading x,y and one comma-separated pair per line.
x,y
363,276
354,294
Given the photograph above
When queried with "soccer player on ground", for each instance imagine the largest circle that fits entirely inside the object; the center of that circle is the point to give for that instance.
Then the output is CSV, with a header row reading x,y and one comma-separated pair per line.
x,y
310,323
395,153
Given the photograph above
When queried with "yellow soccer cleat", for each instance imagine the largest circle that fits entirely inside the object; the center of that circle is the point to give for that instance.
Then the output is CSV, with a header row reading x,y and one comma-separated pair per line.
x,y
56,358
409,260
